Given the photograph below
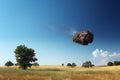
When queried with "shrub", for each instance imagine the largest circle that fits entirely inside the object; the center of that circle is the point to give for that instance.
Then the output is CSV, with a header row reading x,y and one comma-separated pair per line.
x,y
69,64
87,64
73,65
9,63
110,64
116,63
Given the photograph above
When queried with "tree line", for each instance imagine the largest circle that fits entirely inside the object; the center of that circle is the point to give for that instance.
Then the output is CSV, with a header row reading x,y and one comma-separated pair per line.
x,y
10,63
115,63
86,64
25,58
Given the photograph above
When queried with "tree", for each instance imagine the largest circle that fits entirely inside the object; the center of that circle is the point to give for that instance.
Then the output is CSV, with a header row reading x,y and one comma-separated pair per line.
x,y
116,63
73,65
9,63
69,64
87,64
24,56
110,64
62,64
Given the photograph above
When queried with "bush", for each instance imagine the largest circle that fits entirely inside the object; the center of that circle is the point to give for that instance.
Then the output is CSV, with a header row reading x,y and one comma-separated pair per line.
x,y
73,65
9,63
110,64
62,64
87,64
69,64
116,63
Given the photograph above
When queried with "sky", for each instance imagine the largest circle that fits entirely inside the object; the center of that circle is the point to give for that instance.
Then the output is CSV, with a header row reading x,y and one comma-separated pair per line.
x,y
47,26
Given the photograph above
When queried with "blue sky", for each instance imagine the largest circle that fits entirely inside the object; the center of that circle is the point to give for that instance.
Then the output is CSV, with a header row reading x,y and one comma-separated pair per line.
x,y
47,26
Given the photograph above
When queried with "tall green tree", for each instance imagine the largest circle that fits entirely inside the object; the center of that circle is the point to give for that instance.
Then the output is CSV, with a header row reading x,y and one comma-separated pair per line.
x,y
24,56
9,63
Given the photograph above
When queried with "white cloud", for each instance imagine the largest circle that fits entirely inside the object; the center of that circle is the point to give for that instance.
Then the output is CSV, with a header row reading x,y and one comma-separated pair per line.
x,y
101,57
102,53
115,55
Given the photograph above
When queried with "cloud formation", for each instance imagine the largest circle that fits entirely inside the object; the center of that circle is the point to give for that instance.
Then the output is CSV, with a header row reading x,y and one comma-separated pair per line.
x,y
101,57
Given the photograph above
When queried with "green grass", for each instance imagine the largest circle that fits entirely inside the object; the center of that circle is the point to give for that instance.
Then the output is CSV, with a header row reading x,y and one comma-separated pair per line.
x,y
60,73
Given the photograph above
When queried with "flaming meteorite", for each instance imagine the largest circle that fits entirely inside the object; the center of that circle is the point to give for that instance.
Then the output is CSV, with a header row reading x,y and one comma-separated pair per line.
x,y
84,37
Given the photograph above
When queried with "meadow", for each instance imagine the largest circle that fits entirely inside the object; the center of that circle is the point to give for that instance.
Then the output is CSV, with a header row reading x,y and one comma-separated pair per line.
x,y
60,73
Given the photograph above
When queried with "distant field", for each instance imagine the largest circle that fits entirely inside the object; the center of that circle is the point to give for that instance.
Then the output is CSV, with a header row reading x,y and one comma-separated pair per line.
x,y
60,73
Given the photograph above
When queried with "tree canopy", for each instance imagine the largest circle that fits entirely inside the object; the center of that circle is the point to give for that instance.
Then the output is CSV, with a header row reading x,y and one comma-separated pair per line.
x,y
87,64
24,56
116,63
71,64
110,64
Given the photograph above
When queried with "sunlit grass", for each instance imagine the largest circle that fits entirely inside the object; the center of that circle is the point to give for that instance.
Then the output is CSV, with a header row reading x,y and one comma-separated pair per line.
x,y
60,73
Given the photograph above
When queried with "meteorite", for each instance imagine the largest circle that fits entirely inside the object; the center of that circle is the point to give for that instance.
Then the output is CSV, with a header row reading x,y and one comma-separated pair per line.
x,y
84,37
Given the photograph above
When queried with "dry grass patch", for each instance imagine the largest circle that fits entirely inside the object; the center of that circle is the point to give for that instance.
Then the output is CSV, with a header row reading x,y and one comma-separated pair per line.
x,y
60,73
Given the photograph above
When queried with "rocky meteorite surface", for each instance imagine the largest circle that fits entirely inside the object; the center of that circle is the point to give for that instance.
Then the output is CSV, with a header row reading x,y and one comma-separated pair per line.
x,y
84,37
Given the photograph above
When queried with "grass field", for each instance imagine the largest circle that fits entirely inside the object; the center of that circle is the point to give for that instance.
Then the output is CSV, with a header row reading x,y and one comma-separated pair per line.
x,y
60,73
